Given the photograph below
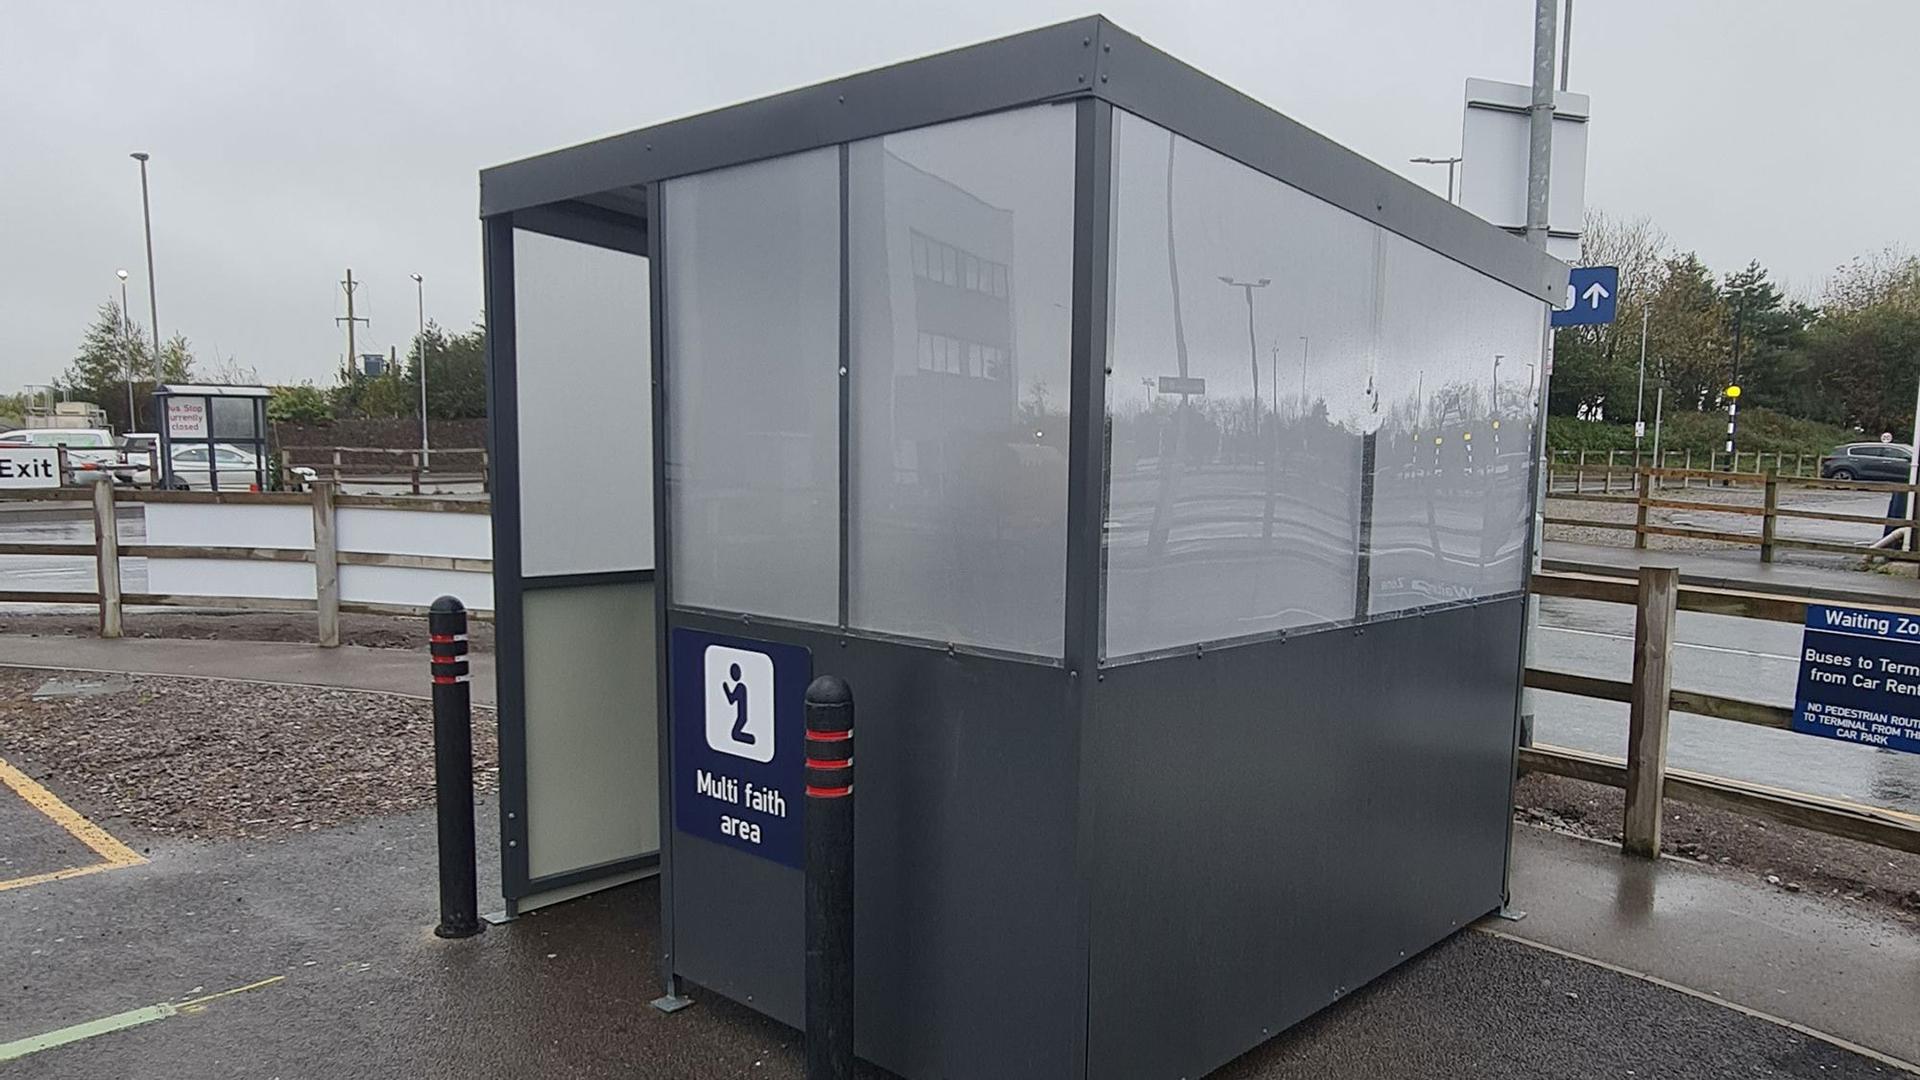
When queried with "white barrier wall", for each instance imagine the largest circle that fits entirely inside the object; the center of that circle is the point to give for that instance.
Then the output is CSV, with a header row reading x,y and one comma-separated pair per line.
x,y
230,525
365,530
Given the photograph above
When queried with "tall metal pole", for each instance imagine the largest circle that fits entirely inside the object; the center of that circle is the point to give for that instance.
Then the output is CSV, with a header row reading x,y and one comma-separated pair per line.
x,y
420,350
153,294
1659,407
126,345
1913,477
1640,396
1539,164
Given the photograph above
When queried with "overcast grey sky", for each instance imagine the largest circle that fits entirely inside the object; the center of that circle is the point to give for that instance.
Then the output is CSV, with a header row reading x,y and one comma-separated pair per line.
x,y
292,140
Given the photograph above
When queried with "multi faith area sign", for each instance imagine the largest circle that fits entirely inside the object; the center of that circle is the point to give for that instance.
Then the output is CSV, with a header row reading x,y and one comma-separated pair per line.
x,y
29,467
1860,677
739,730
1592,294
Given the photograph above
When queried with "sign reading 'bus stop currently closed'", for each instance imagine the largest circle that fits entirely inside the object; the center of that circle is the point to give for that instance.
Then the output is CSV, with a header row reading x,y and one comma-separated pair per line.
x,y
739,730
1860,677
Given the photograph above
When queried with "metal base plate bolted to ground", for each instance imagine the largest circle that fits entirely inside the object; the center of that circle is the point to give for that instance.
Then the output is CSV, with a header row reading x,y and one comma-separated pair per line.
x,y
671,1003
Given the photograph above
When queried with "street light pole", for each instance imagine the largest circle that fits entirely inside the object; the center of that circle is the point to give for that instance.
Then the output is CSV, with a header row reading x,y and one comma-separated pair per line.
x,y
1253,347
126,347
153,294
420,358
1640,396
1450,162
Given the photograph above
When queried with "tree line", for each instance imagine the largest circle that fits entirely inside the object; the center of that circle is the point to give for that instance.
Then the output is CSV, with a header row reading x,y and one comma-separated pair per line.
x,y
115,351
1851,358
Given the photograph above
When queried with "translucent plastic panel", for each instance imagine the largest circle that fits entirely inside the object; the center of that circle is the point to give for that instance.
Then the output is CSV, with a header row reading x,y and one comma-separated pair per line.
x,y
753,353
233,418
1242,336
1458,356
961,259
584,370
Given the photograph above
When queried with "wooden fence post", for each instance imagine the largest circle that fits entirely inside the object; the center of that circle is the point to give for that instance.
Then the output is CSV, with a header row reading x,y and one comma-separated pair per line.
x,y
1640,512
106,556
326,565
1654,605
1769,504
416,472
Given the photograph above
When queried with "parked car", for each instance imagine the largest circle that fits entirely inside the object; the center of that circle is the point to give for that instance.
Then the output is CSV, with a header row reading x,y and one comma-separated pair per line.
x,y
237,468
142,451
1868,461
88,449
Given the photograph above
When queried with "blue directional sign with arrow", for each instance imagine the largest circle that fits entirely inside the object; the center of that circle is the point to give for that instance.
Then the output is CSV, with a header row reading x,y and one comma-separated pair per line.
x,y
1592,294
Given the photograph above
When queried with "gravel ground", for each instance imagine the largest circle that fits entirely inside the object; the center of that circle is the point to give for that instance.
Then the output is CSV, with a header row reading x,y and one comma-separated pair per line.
x,y
209,759
378,631
1784,856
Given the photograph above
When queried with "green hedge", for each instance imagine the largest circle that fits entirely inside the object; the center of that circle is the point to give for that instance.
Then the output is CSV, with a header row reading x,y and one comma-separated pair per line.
x,y
1703,433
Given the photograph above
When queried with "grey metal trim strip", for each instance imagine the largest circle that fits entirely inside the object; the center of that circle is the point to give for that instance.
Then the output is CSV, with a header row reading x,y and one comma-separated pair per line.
x,y
1087,493
584,874
846,381
1363,577
747,622
1039,65
1204,648
503,450
595,577
663,570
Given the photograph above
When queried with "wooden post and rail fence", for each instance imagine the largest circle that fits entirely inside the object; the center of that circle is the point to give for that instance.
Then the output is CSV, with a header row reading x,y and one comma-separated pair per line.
x,y
1657,595
381,466
1646,490
104,499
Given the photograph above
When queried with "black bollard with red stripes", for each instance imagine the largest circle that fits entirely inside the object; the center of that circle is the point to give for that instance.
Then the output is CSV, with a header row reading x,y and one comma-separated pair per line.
x,y
829,873
453,768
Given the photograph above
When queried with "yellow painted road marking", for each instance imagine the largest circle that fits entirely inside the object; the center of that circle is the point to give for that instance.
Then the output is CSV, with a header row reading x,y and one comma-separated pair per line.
x,y
113,852
146,1014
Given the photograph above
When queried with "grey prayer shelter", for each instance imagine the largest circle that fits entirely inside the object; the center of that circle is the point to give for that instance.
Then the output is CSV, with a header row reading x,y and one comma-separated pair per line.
x,y
1156,471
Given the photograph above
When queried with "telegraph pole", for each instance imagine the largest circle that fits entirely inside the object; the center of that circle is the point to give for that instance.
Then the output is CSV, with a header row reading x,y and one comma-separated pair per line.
x,y
353,354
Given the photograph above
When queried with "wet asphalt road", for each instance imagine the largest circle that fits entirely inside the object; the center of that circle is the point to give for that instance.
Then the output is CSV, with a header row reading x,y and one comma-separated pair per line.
x,y
342,918
62,573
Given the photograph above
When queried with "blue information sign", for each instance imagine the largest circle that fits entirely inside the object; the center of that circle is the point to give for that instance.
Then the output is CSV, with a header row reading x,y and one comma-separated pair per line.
x,y
739,730
1860,677
1593,292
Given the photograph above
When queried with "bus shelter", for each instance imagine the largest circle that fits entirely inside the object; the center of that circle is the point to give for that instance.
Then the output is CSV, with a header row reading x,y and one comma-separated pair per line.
x,y
212,434
1157,472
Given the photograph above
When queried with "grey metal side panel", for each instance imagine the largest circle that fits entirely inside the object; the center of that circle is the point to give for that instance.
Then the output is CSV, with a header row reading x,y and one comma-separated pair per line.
x,y
968,917
1147,82
1281,822
1038,65
503,451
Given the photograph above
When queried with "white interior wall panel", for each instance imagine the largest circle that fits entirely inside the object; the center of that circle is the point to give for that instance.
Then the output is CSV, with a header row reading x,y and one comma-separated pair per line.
x,y
585,398
592,748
